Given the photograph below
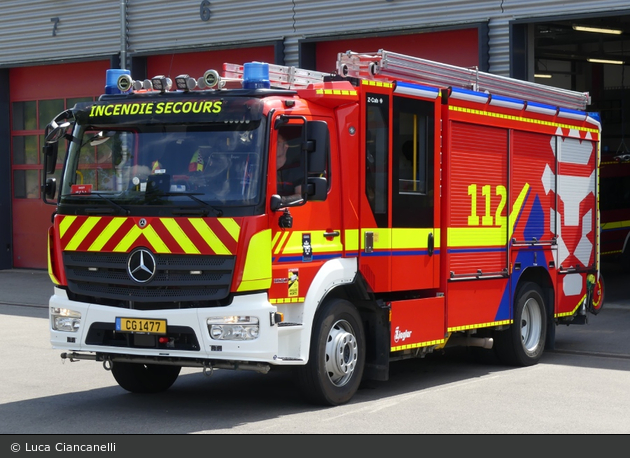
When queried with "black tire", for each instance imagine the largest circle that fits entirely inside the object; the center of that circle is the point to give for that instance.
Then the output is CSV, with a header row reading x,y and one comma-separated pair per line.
x,y
337,356
145,378
524,342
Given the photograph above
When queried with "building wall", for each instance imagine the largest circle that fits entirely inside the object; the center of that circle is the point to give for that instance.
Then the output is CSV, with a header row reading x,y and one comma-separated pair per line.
x,y
63,30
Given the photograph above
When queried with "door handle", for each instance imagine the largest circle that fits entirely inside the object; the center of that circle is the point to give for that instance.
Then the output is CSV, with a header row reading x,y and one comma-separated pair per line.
x,y
430,243
331,234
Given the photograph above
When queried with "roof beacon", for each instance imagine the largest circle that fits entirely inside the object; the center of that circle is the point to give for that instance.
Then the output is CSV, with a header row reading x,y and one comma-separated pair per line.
x,y
256,75
112,78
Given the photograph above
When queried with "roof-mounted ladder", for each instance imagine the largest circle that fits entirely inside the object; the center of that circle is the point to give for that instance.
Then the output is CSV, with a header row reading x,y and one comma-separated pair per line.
x,y
386,65
279,75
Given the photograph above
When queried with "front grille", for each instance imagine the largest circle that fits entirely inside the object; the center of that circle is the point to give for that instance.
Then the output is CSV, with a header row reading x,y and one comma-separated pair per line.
x,y
102,278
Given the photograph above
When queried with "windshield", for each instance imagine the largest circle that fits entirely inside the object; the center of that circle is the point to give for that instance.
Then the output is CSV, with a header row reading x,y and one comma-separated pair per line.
x,y
165,164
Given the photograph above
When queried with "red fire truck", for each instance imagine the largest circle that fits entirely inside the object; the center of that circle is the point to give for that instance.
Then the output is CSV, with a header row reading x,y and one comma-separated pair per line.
x,y
274,216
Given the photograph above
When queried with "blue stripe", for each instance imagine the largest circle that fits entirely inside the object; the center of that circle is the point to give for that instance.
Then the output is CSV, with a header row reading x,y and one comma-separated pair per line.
x,y
477,250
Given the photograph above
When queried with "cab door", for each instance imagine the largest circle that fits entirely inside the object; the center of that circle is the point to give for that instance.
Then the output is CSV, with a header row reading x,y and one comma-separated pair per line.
x,y
415,235
304,237
400,240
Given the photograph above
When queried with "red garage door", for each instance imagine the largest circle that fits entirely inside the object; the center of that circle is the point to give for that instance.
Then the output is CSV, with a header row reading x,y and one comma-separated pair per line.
x,y
37,95
195,64
455,47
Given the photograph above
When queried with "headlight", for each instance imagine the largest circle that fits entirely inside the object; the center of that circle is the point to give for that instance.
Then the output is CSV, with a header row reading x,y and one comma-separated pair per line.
x,y
233,327
64,319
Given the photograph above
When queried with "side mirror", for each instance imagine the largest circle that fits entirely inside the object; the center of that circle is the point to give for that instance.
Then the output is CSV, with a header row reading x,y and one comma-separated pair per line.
x,y
50,157
58,127
317,189
278,202
49,189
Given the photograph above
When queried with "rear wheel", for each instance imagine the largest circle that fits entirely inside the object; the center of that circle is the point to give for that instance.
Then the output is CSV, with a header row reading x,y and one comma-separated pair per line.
x,y
145,378
523,343
337,355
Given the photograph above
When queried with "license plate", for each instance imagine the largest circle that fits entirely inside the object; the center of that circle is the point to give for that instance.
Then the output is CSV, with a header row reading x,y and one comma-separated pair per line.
x,y
141,325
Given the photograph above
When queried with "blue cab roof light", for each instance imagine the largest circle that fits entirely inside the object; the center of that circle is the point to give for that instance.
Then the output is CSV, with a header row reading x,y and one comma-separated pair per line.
x,y
111,80
256,75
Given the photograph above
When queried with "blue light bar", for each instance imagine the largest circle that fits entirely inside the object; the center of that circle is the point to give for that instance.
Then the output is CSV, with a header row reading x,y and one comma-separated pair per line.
x,y
256,75
111,80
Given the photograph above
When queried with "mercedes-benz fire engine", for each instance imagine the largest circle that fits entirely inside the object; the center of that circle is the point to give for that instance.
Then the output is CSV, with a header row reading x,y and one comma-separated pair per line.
x,y
274,216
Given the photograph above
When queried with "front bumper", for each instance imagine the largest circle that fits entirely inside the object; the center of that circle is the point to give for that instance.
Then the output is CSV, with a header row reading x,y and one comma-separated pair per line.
x,y
96,332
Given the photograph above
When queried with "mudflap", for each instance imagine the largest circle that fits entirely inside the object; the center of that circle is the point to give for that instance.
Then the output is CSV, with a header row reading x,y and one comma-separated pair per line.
x,y
376,325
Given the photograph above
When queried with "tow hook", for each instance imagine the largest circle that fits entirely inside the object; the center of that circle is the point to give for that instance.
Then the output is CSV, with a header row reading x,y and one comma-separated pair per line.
x,y
208,370
107,363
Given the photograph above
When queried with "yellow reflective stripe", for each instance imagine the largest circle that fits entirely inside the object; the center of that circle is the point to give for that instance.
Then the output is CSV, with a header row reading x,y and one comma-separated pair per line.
x,y
417,345
522,119
257,270
210,237
83,231
287,300
405,238
283,238
352,240
518,206
335,92
382,238
65,224
295,243
321,244
615,225
128,239
476,236
230,225
52,276
180,236
318,243
376,83
154,239
479,325
107,233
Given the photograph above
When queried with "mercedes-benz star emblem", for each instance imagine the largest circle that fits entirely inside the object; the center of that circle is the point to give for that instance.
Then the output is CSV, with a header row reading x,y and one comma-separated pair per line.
x,y
141,266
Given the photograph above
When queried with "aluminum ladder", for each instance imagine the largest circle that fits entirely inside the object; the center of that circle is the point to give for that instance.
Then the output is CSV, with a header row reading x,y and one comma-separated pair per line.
x,y
389,66
279,75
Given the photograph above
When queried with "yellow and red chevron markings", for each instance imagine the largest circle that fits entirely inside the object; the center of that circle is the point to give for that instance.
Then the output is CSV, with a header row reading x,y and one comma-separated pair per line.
x,y
212,236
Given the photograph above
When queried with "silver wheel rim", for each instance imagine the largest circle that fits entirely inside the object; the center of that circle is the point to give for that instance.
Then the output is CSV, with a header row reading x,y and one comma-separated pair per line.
x,y
342,353
531,324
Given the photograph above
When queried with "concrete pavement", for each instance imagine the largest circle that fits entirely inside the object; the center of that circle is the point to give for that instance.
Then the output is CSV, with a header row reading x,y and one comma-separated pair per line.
x,y
25,287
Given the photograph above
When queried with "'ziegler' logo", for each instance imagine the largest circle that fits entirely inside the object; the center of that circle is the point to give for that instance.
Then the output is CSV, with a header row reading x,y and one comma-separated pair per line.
x,y
401,335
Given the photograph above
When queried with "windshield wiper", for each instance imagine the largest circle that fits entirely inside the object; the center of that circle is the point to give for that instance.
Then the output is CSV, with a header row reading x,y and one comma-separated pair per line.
x,y
184,211
113,209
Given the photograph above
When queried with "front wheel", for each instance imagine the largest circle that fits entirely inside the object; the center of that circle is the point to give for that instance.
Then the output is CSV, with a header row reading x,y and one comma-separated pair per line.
x,y
337,355
523,343
145,378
